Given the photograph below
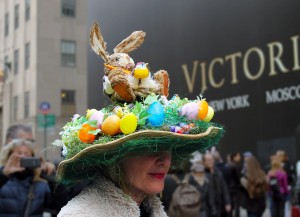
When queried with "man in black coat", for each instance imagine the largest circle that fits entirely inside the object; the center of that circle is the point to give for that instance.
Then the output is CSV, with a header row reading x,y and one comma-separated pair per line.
x,y
221,194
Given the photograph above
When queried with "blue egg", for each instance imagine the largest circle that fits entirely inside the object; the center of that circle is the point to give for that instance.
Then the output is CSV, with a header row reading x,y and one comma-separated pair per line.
x,y
157,114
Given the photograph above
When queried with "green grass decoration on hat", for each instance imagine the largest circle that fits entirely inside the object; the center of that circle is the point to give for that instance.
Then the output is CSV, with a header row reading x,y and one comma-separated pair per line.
x,y
83,159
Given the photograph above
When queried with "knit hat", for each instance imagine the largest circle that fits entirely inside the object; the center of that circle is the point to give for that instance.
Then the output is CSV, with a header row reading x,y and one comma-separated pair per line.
x,y
140,118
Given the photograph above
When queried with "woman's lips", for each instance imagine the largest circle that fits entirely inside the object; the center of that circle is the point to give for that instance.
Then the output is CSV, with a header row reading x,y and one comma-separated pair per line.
x,y
158,175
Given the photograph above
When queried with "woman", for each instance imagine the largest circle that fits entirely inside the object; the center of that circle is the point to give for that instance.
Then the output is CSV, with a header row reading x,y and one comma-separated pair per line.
x,y
278,187
254,183
127,171
126,148
17,182
140,177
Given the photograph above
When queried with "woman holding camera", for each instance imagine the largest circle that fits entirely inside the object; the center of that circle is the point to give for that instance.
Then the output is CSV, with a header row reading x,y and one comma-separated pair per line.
x,y
22,191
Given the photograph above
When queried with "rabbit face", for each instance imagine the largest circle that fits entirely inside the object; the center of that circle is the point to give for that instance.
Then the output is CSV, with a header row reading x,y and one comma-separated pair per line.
x,y
122,60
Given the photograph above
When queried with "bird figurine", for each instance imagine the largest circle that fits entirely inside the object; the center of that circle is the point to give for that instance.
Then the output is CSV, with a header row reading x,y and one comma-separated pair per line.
x,y
141,70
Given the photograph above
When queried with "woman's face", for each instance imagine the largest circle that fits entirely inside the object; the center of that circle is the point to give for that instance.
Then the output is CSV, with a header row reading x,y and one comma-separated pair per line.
x,y
22,151
146,173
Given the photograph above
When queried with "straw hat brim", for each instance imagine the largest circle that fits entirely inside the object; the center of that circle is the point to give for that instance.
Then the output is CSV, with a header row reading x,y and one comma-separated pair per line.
x,y
83,164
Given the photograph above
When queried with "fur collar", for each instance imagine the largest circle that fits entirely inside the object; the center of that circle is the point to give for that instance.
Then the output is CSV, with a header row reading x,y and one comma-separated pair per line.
x,y
103,198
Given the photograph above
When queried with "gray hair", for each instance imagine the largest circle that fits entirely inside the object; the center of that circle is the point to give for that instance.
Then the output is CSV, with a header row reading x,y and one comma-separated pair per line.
x,y
12,131
8,149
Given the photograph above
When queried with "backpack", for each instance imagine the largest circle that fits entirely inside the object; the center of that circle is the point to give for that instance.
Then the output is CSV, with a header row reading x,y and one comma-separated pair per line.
x,y
186,199
274,187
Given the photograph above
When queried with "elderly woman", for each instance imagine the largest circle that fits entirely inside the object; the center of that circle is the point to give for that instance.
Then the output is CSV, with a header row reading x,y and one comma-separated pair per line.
x,y
17,183
127,172
127,147
134,193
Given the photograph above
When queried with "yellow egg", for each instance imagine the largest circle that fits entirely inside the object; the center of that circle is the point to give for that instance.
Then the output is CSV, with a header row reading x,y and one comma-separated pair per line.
x,y
140,73
128,123
111,125
210,114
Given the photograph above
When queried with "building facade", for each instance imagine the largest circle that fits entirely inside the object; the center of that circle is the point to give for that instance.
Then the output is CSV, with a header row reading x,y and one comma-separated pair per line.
x,y
44,58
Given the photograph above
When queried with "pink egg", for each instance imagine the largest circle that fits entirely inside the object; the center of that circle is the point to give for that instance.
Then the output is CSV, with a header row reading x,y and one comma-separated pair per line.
x,y
190,110
98,116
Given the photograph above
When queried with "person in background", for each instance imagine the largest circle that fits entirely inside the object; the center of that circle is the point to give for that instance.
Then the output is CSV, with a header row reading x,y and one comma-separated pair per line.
x,y
233,175
178,169
219,163
19,131
18,183
201,182
221,194
287,167
278,187
254,187
291,176
59,192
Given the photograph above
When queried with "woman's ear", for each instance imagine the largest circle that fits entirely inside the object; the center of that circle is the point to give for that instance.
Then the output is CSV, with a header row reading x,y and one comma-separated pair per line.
x,y
131,43
97,42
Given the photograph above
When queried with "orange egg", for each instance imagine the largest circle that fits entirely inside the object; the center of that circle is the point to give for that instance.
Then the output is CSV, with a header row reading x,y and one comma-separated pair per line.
x,y
111,125
203,109
84,135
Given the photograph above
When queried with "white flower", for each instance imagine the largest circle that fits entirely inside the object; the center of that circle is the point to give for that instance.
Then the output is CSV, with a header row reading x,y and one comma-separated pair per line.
x,y
64,151
75,117
58,143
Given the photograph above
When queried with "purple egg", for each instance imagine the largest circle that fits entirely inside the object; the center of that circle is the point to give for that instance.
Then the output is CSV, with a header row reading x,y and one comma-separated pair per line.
x,y
98,116
190,110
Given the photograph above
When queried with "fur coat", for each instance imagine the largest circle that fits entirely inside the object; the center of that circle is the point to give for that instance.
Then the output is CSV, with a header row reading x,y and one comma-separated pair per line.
x,y
104,199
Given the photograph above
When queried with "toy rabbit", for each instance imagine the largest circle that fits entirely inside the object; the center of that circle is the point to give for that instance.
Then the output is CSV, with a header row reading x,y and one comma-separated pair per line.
x,y
119,81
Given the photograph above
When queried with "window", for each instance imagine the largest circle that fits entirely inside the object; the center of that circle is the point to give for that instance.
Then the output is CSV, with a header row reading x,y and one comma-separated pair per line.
x,y
16,61
68,53
16,16
6,27
68,106
6,67
27,10
68,8
15,108
68,96
27,55
26,104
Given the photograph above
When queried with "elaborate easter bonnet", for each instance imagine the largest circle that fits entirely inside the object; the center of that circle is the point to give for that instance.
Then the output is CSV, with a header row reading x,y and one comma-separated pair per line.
x,y
140,118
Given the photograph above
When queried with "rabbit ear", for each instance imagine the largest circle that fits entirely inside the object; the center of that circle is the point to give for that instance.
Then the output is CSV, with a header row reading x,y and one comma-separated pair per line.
x,y
97,42
131,43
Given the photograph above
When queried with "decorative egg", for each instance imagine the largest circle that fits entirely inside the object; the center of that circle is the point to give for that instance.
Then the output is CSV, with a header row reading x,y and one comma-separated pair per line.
x,y
157,114
84,134
111,125
107,86
141,71
97,116
89,113
190,110
210,114
128,123
203,109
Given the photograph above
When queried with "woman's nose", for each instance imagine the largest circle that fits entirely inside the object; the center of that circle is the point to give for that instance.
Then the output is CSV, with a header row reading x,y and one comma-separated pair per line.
x,y
164,158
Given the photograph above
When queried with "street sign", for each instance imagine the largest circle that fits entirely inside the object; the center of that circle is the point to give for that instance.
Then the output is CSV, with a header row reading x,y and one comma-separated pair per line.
x,y
45,107
46,121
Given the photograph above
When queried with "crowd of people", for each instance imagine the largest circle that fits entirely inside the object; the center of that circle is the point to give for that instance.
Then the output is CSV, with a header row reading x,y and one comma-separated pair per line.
x,y
224,187
241,182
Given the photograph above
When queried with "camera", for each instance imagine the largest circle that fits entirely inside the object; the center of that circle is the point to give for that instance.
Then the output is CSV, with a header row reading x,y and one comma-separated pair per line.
x,y
30,162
